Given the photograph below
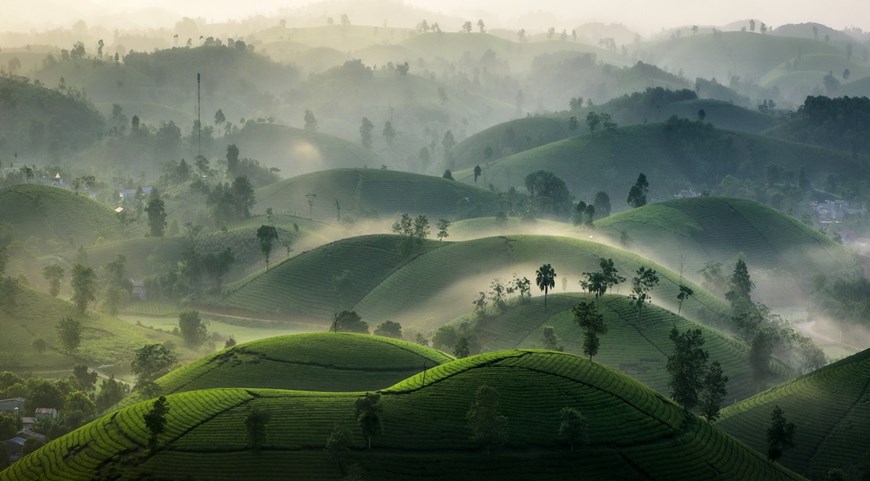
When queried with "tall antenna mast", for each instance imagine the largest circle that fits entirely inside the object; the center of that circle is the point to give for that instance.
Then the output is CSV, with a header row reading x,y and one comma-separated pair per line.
x,y
198,119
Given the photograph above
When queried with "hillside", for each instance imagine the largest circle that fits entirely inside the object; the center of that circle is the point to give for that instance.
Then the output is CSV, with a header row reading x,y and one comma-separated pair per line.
x,y
376,193
634,433
324,361
674,155
37,122
104,340
45,216
435,283
296,151
831,409
780,250
637,347
508,138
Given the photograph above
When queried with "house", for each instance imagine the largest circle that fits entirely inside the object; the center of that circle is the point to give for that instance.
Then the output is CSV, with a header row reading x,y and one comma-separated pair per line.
x,y
57,180
12,405
45,413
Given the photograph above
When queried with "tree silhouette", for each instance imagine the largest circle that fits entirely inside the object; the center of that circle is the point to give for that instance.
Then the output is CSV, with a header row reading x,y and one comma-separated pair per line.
x,y
545,278
266,236
368,415
488,427
586,316
780,434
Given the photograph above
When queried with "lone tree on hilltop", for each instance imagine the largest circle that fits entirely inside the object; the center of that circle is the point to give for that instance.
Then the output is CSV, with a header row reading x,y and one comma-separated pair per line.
x,y
637,193
310,121
586,316
84,286
368,415
266,236
780,434
545,278
389,329
349,321
155,421
488,427
442,226
573,427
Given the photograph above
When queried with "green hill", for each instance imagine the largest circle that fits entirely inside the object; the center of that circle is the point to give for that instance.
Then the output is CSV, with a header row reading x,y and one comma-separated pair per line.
x,y
508,138
674,155
781,251
48,216
35,120
104,340
634,433
831,409
433,284
376,193
296,151
723,115
637,347
324,361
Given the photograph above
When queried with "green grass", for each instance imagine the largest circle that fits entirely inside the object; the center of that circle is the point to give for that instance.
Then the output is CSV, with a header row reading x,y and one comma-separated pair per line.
x,y
831,409
53,217
634,433
780,250
723,115
637,347
376,192
323,361
105,340
508,138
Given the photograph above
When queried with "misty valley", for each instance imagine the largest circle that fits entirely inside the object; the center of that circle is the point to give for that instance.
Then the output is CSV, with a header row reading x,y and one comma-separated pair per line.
x,y
381,240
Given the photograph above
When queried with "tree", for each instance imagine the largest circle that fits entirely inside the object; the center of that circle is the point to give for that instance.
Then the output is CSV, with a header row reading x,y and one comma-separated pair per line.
x,y
702,115
338,444
641,285
462,348
365,131
740,289
481,26
111,393
150,362
69,332
466,27
39,345
593,120
243,195
87,379
310,121
551,340
685,293
545,278
477,172
589,320
192,327
255,428
780,434
488,427
84,286
368,415
54,275
573,427
602,205
266,236
156,211
155,421
549,193
523,286
232,161
219,117
389,329
389,133
573,123
713,391
309,197
447,174
349,321
687,367
637,193
442,226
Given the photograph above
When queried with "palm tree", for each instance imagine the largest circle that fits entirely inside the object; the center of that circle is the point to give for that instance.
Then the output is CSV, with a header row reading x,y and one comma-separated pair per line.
x,y
546,280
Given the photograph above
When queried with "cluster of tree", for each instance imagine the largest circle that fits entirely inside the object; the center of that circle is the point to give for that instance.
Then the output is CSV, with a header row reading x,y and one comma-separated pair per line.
x,y
150,362
549,194
694,382
834,122
413,231
459,339
231,202
187,278
500,294
843,299
585,214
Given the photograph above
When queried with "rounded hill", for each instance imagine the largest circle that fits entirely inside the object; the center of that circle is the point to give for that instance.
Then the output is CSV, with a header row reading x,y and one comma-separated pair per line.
x,y
55,215
434,283
375,192
674,155
780,250
831,410
637,346
509,138
633,432
324,361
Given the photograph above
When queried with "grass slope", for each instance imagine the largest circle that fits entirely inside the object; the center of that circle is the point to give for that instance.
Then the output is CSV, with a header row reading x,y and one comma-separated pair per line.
x,y
104,340
508,138
58,217
695,231
637,347
671,159
634,433
376,192
434,284
831,409
723,115
323,361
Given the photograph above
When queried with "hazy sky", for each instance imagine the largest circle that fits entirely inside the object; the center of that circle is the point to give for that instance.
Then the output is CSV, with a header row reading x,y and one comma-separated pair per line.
x,y
645,15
